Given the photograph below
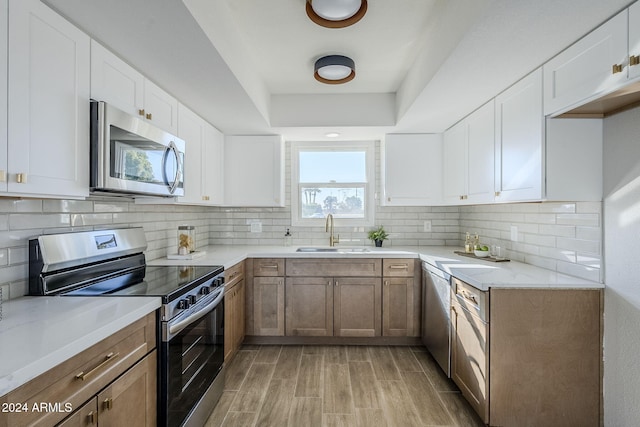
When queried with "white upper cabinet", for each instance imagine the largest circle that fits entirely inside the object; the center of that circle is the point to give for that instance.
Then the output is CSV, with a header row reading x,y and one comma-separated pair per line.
x,y
519,125
203,159
595,65
412,169
254,170
634,40
117,83
469,158
454,164
3,95
48,103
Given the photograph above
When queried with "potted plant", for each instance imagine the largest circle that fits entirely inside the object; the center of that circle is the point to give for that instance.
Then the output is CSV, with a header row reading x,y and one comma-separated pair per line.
x,y
378,235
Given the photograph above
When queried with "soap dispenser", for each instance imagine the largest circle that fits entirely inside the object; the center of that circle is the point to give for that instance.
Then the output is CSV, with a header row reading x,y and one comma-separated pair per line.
x,y
287,238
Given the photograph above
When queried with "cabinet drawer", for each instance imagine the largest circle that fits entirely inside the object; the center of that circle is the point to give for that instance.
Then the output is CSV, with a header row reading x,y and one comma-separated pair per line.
x,y
267,267
400,267
233,275
334,267
78,379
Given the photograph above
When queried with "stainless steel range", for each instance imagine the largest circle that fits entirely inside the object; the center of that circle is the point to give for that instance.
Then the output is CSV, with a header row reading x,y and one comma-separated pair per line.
x,y
190,326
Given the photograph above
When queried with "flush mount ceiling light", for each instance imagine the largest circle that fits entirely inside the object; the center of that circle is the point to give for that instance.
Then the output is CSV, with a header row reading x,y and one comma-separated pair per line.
x,y
332,134
336,13
334,69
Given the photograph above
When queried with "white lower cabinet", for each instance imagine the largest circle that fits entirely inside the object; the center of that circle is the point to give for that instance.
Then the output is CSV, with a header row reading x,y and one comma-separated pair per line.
x,y
254,170
412,169
48,103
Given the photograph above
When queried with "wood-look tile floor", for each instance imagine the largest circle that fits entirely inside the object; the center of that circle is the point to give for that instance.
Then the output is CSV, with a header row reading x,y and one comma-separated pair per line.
x,y
360,386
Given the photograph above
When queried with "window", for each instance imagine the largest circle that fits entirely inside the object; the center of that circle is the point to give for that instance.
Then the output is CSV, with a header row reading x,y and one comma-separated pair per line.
x,y
330,178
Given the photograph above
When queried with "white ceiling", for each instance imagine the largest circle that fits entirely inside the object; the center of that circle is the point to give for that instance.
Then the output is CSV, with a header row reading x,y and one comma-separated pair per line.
x,y
247,65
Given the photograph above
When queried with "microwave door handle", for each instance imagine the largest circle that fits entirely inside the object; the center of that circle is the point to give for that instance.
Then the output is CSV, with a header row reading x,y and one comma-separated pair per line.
x,y
176,180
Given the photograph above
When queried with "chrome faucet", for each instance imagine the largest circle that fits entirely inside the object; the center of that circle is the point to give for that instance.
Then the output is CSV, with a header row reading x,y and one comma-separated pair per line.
x,y
329,228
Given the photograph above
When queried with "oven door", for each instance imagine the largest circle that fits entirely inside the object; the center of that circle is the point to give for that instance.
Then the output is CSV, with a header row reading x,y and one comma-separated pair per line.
x,y
192,356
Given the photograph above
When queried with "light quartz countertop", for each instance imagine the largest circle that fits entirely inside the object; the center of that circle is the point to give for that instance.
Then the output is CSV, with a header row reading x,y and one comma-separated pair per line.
x,y
38,333
477,272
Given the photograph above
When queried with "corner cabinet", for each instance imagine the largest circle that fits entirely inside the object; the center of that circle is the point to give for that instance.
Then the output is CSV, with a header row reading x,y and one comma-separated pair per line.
x,y
48,104
412,169
254,171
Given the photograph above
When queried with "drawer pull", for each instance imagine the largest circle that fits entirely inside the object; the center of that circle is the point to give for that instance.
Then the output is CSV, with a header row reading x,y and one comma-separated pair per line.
x,y
108,358
269,266
398,266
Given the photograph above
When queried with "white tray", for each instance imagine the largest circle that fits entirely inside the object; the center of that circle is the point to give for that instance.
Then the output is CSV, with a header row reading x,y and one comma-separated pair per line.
x,y
192,255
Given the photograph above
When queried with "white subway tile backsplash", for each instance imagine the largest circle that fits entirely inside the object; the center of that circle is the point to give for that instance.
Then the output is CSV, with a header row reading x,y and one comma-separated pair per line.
x,y
31,221
584,219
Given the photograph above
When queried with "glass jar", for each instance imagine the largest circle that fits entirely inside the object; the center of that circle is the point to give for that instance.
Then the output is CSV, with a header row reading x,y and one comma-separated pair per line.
x,y
186,239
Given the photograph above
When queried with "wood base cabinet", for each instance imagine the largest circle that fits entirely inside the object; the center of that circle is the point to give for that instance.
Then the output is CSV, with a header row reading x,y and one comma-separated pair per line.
x,y
112,383
546,357
234,310
264,306
401,300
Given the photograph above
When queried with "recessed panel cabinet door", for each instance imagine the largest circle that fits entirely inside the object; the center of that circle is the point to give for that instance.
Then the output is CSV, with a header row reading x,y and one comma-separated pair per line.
x,y
455,161
48,132
519,141
309,307
357,307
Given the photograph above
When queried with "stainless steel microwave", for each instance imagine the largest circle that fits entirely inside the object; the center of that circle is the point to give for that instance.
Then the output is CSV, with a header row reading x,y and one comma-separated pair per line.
x,y
131,156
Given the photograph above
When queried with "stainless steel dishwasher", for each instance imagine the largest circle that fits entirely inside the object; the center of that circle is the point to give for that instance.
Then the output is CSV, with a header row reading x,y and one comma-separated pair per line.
x,y
436,315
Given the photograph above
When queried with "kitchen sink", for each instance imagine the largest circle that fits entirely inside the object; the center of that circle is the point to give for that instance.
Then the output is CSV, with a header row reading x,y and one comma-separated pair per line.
x,y
338,250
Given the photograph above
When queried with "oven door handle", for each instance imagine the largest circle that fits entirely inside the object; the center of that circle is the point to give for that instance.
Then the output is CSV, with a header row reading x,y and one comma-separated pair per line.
x,y
179,326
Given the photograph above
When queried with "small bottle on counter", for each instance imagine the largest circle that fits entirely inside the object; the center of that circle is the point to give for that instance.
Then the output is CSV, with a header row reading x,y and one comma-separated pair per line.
x,y
476,242
287,238
468,244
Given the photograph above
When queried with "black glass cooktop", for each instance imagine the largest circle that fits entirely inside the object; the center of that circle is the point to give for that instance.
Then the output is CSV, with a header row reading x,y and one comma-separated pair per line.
x,y
168,282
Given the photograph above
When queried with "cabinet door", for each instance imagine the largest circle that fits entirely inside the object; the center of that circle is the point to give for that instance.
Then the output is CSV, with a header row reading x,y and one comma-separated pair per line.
x,y
230,314
4,11
455,162
191,128
357,307
115,82
481,154
86,415
254,170
586,69
398,317
469,358
213,165
239,322
131,399
48,132
268,306
519,143
309,306
160,108
412,170
634,38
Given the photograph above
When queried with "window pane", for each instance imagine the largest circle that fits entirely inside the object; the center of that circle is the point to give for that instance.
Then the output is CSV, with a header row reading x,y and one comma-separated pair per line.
x,y
333,166
344,202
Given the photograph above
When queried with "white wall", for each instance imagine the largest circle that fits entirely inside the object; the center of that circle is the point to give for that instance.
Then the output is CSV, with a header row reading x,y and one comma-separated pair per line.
x,y
622,268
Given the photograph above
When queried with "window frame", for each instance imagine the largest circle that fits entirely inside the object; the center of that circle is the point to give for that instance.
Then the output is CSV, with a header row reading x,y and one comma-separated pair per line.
x,y
369,186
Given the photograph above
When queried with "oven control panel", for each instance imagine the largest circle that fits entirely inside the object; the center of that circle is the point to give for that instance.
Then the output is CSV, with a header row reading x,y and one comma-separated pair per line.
x,y
194,298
